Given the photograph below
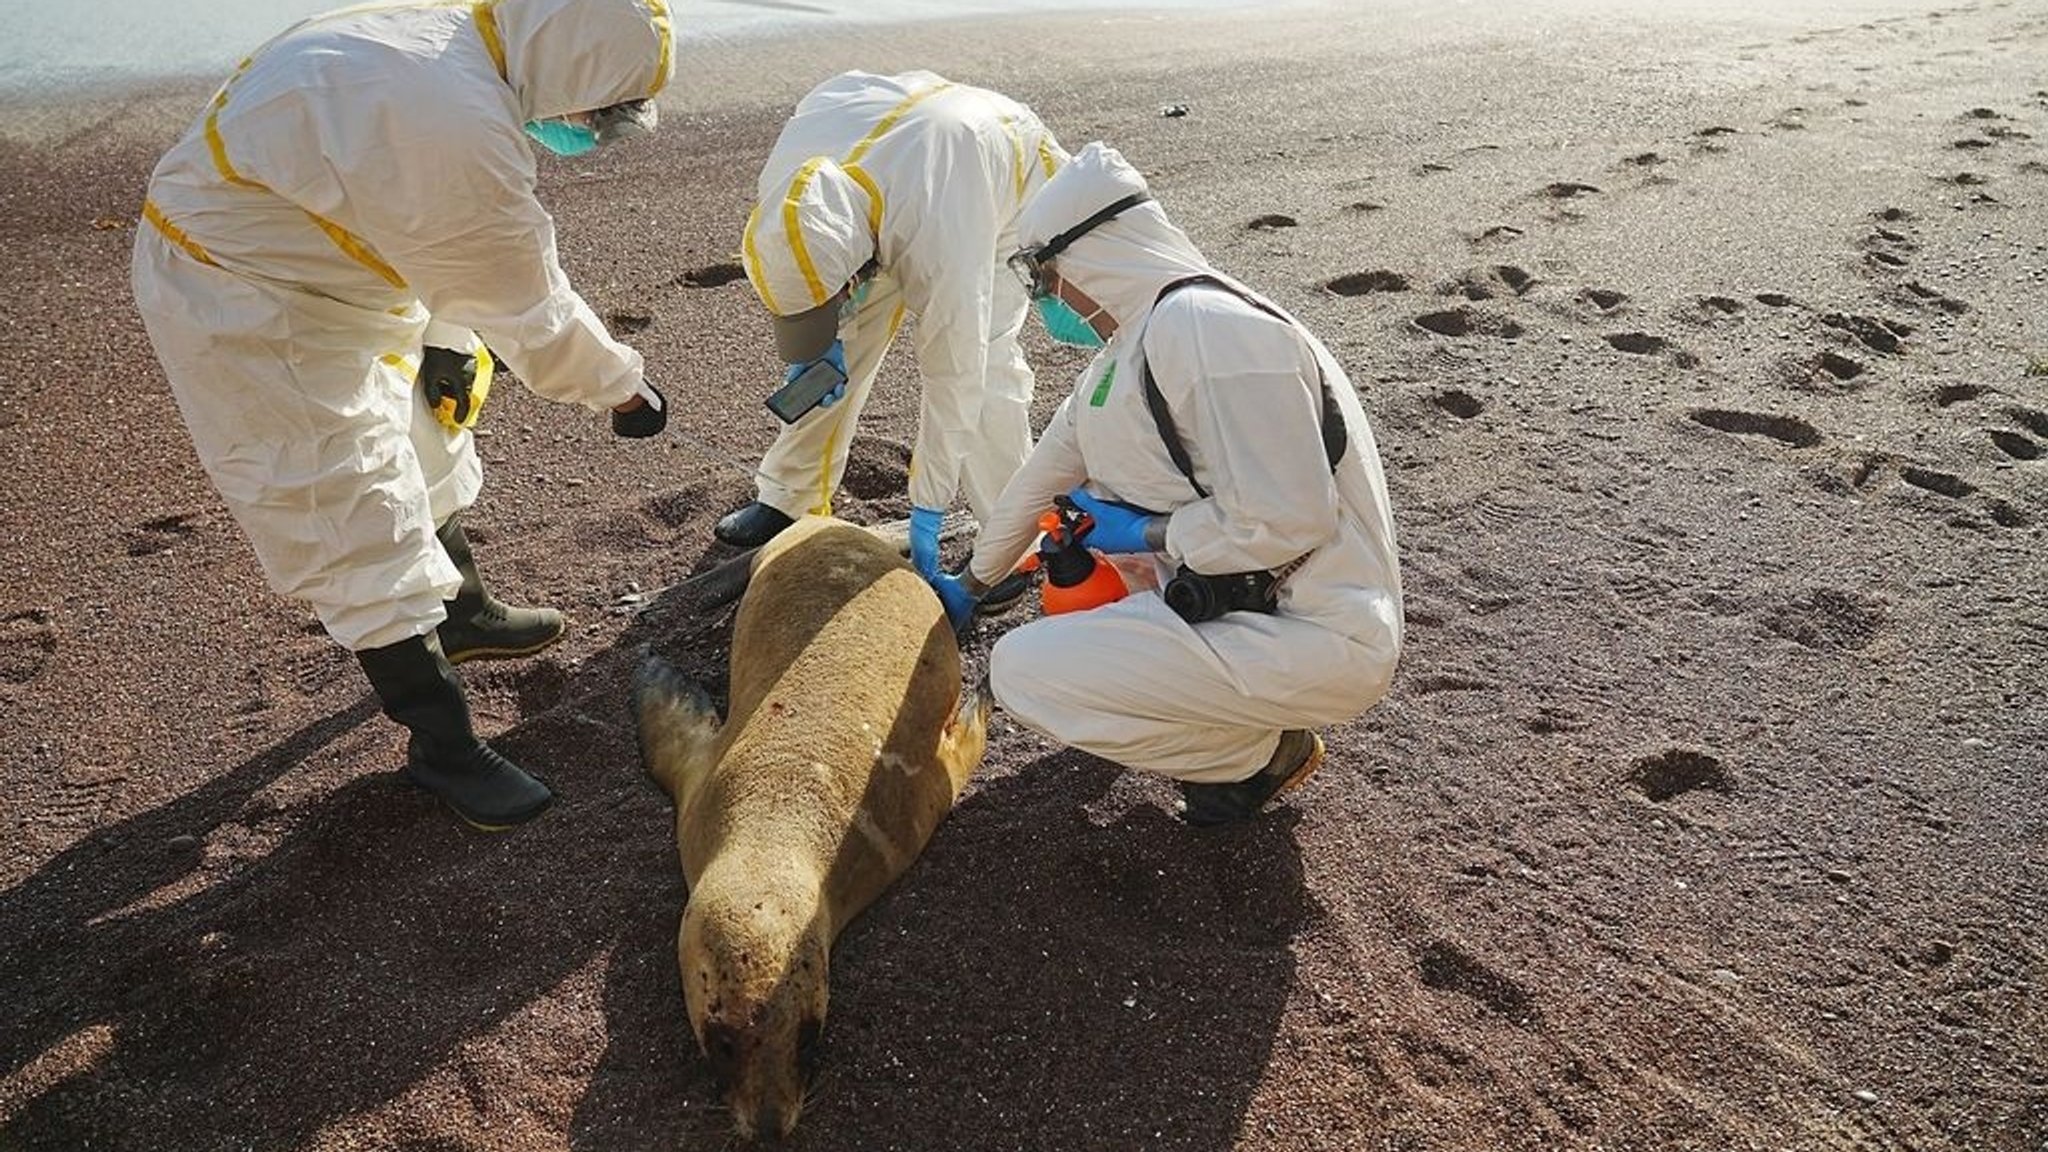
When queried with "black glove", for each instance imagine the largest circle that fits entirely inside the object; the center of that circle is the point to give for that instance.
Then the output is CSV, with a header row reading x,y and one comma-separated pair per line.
x,y
448,378
649,418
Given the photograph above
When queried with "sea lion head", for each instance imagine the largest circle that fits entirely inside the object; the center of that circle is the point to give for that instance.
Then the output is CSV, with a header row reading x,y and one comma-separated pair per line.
x,y
755,977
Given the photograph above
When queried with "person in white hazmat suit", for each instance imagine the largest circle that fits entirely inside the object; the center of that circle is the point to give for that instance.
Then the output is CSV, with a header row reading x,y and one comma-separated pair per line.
x,y
1250,515
886,196
357,199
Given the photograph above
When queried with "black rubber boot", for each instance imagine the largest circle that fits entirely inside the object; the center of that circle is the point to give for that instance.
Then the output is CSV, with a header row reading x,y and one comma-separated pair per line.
x,y
419,690
479,626
752,526
1299,754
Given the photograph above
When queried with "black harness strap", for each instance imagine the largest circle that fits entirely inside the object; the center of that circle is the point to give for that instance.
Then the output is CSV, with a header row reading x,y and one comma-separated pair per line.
x,y
1336,441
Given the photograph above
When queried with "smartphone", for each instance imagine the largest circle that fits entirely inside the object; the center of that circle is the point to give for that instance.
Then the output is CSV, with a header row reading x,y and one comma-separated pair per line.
x,y
802,394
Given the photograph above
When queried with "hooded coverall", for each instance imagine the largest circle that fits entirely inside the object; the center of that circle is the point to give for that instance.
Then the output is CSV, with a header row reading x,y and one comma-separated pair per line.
x,y
1131,681
925,177
362,185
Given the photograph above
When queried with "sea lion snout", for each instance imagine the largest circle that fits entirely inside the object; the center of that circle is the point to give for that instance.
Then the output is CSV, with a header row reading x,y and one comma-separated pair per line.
x,y
755,970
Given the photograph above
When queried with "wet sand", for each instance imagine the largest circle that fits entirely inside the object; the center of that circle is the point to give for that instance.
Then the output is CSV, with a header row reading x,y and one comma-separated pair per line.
x,y
1705,351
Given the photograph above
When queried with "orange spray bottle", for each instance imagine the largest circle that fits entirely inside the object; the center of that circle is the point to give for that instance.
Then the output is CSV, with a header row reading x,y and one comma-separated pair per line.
x,y
1076,578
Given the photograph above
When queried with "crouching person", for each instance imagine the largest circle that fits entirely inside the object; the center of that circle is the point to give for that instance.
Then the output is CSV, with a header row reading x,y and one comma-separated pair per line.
x,y
1223,457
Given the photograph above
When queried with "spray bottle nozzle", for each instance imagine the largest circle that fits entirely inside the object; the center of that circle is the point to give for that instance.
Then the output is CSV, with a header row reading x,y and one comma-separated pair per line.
x,y
1074,579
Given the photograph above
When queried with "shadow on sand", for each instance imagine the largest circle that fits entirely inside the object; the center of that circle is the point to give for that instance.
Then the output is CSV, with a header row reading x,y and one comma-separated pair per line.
x,y
1009,993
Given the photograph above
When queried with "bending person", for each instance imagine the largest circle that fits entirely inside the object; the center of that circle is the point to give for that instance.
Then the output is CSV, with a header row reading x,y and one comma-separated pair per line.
x,y
888,196
1250,505
357,199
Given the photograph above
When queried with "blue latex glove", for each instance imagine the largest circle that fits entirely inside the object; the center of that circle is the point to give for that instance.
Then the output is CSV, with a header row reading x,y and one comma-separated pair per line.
x,y
1118,527
924,541
958,600
835,354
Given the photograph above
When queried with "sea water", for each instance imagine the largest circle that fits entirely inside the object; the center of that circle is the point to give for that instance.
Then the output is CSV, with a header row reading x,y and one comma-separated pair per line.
x,y
56,47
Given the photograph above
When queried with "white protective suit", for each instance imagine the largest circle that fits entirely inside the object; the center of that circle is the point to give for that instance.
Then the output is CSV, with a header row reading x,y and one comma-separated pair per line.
x,y
1131,681
363,184
925,177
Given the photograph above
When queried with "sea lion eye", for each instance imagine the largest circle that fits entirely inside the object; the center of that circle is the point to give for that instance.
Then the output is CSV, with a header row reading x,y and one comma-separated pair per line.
x,y
810,1037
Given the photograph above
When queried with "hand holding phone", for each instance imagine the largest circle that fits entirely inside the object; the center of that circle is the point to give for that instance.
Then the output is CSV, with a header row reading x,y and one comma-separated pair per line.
x,y
805,390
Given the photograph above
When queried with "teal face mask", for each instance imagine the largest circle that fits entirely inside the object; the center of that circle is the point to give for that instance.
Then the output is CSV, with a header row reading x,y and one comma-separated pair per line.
x,y
561,137
1064,324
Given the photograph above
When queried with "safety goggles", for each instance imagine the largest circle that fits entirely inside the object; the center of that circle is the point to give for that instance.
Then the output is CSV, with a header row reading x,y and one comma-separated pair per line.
x,y
616,122
1029,262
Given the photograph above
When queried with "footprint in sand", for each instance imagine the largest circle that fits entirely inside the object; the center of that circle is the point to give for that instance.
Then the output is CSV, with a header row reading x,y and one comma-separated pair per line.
x,y
1711,308
1364,206
27,642
1965,179
1643,160
1431,168
630,322
1637,343
1775,300
1646,344
1498,281
1824,618
1894,215
1569,190
1878,335
2005,515
1950,394
1915,294
2015,445
1461,322
525,690
161,534
1828,372
1941,483
711,276
2001,132
1604,300
1784,429
1458,403
1447,968
1671,774
1498,234
1272,221
1366,283
2034,168
2033,420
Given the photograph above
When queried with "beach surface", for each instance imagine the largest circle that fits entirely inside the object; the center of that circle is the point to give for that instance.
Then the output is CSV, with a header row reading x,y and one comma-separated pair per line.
x,y
1705,347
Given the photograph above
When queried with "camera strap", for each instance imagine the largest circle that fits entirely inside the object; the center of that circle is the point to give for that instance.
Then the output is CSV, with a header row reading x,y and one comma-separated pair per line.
x,y
1335,439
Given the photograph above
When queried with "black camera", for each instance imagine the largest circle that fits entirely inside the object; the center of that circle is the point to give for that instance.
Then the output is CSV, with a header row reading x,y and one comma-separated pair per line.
x,y
1196,598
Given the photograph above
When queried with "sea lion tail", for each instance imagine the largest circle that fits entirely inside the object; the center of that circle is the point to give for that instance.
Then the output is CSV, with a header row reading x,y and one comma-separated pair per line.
x,y
678,724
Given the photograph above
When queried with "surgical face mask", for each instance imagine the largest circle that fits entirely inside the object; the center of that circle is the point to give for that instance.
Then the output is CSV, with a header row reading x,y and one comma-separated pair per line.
x,y
561,137
1064,324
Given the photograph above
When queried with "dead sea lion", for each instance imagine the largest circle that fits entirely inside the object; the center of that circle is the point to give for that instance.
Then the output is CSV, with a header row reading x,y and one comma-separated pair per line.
x,y
848,740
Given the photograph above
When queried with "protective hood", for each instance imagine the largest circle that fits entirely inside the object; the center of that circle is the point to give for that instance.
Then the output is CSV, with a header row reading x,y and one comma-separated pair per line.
x,y
812,230
564,56
1123,263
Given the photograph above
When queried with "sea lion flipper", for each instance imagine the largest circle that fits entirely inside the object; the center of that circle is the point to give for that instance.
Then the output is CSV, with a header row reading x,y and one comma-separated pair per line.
x,y
678,725
966,735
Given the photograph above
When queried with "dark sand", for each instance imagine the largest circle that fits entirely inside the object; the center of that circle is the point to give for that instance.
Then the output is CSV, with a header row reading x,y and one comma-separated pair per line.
x,y
1706,811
